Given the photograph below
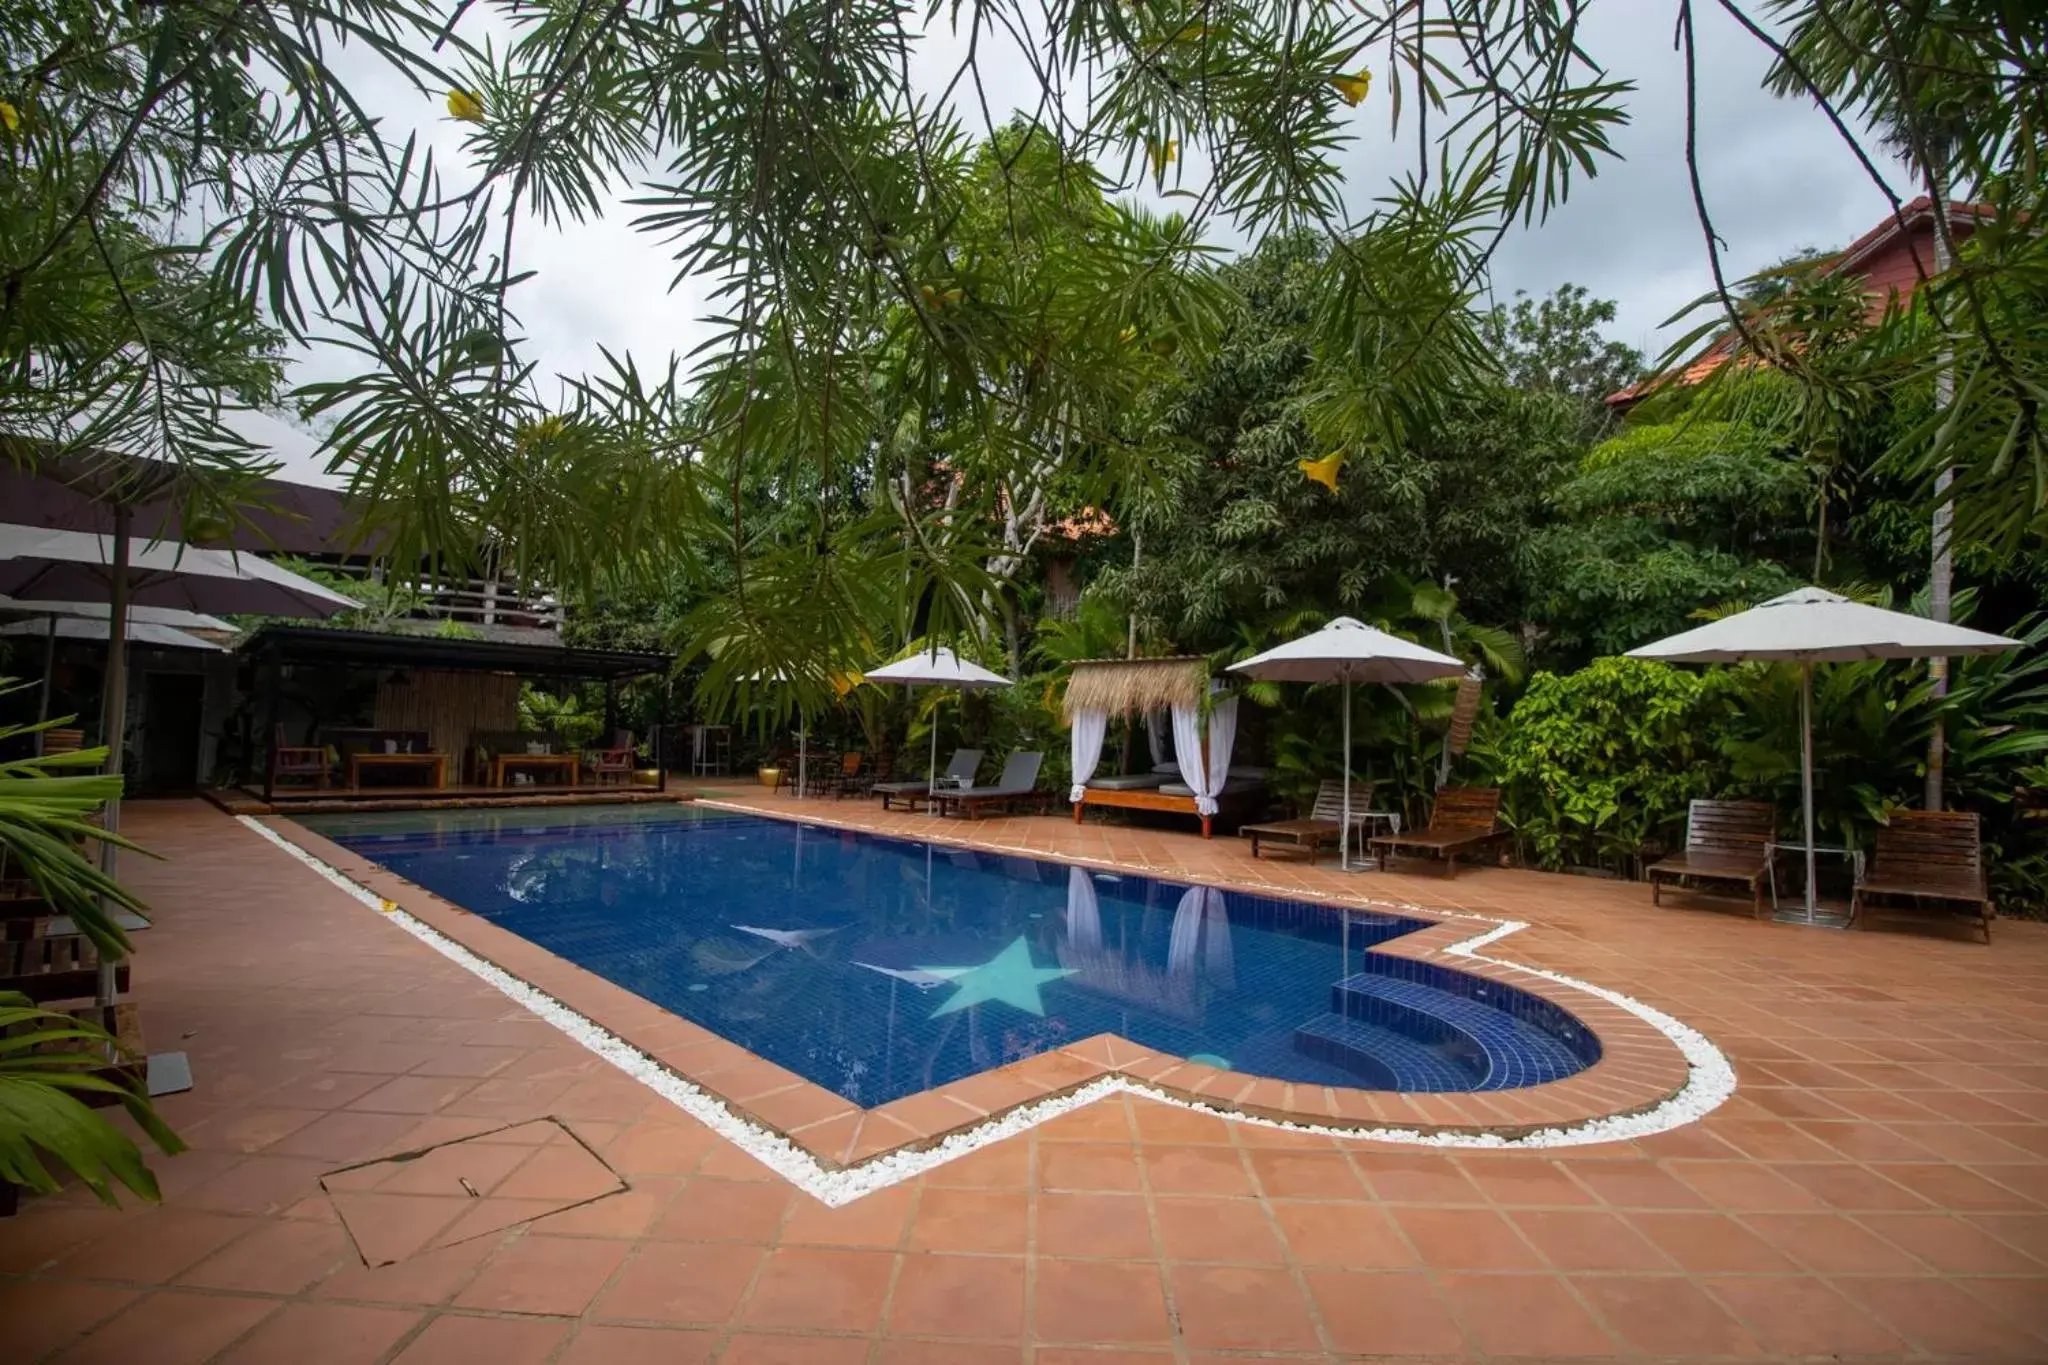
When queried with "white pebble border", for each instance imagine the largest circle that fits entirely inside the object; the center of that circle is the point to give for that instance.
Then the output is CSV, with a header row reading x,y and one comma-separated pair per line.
x,y
1710,1082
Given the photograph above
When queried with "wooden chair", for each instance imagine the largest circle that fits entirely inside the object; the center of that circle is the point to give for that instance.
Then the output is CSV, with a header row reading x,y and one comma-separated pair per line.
x,y
297,760
840,777
618,761
1464,818
1324,827
1922,856
1725,841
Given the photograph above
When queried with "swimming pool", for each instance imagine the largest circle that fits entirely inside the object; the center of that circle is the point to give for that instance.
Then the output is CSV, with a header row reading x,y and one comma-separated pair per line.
x,y
879,967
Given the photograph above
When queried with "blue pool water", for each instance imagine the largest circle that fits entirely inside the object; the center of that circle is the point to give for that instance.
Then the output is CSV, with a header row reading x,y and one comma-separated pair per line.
x,y
878,967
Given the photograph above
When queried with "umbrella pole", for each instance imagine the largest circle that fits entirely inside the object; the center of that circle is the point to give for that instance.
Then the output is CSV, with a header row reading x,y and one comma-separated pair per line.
x,y
931,772
1806,774
1344,834
803,739
49,674
114,727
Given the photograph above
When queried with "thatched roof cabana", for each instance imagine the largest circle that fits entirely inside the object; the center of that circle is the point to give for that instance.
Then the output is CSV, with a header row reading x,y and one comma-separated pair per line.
x,y
1123,686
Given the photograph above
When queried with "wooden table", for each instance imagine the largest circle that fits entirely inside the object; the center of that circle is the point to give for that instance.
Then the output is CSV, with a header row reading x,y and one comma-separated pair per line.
x,y
565,764
359,761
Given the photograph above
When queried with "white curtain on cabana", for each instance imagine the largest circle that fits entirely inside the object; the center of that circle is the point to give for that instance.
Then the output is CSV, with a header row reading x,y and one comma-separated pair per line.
x,y
1187,745
1159,734
1089,728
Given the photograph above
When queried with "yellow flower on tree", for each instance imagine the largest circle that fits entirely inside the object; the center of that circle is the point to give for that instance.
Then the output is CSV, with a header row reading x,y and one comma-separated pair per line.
x,y
465,106
1323,471
10,117
1353,87
1162,153
1127,335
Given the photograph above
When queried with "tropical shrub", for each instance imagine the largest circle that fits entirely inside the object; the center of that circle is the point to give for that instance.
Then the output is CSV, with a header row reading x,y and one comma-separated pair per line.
x,y
1596,766
48,1061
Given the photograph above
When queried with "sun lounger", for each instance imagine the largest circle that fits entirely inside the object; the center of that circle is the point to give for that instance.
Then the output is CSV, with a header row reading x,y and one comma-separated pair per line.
x,y
1925,856
1465,818
1725,841
1018,784
1322,829
960,769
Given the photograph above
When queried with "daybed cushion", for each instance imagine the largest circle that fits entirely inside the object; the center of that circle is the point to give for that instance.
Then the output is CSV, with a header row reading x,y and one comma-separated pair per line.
x,y
1129,782
1233,784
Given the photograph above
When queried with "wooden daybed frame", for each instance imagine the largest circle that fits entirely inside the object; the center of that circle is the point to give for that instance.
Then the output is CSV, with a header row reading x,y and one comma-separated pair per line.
x,y
1232,807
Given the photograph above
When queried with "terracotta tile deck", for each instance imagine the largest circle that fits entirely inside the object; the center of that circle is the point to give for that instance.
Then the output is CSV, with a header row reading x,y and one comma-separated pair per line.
x,y
1877,1189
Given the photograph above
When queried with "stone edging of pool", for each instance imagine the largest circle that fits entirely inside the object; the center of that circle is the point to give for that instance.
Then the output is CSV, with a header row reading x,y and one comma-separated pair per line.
x,y
1654,1073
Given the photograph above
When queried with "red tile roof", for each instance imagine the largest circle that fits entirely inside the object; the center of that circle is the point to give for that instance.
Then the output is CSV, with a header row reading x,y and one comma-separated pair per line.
x,y
1865,255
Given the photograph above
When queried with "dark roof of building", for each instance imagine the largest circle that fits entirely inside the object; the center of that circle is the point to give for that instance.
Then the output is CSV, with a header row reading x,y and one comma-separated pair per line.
x,y
376,649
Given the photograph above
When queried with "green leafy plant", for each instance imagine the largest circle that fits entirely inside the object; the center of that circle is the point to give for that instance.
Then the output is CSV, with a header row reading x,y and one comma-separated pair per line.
x,y
1598,765
568,715
50,1065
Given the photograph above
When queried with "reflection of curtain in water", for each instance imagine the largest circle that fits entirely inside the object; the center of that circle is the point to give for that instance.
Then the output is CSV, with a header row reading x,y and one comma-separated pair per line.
x,y
1113,971
1084,913
1201,937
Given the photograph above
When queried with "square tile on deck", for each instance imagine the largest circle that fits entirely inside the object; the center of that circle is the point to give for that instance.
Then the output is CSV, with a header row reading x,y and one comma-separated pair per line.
x,y
416,1201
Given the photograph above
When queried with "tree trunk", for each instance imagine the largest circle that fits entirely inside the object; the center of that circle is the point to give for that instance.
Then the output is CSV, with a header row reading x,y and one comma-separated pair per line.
x,y
1942,570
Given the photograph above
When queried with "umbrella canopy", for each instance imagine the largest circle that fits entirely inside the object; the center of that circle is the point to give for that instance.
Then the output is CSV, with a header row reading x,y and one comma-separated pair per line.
x,y
936,667
121,569
1815,626
99,611
77,566
84,628
1349,651
1809,626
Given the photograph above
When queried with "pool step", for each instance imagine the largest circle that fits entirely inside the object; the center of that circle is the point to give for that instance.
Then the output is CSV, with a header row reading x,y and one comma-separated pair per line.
x,y
1508,1052
1381,1058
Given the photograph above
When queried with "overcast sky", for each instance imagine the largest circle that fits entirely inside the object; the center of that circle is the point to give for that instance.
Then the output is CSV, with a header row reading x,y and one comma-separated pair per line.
x,y
1776,176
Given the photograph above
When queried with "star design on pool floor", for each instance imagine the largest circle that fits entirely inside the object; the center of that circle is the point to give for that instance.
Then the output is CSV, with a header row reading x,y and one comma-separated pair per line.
x,y
1009,977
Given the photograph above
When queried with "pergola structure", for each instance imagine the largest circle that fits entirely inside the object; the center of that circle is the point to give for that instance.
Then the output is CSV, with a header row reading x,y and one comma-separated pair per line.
x,y
444,715
1190,773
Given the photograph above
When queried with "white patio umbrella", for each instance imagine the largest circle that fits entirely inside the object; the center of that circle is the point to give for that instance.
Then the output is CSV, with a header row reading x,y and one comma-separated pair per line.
x,y
179,621
85,628
80,566
936,667
1810,626
1348,651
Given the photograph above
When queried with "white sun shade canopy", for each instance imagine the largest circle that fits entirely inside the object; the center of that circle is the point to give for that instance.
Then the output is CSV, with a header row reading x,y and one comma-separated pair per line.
x,y
936,667
76,566
1350,651
86,628
99,611
1812,625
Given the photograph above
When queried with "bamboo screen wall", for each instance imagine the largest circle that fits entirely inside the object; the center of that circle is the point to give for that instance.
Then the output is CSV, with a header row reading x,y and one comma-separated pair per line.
x,y
449,706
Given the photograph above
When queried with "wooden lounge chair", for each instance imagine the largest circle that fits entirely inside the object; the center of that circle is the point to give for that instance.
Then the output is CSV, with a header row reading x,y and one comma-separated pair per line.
x,y
1323,828
1923,856
1464,818
840,776
54,967
1017,785
1725,841
960,770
